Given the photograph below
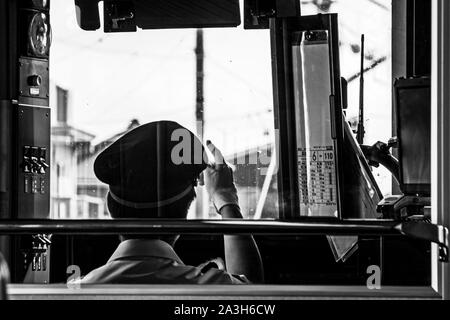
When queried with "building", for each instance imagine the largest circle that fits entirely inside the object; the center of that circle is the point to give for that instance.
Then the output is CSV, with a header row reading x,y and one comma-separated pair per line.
x,y
76,193
68,145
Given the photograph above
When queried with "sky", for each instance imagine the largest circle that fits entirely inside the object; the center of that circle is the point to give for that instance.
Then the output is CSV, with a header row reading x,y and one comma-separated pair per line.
x,y
150,75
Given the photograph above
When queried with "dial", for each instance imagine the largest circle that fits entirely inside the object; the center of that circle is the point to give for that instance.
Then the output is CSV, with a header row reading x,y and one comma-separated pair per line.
x,y
34,80
39,35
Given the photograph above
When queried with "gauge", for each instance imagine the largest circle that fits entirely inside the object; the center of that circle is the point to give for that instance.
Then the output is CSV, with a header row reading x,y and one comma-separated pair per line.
x,y
39,35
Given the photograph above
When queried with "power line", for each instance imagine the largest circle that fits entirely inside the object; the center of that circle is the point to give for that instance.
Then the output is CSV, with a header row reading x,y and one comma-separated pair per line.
x,y
372,66
382,6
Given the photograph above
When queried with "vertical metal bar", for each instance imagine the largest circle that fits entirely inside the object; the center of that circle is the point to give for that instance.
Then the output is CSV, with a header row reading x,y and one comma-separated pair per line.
x,y
7,68
200,115
4,50
199,111
284,117
361,130
418,27
288,8
335,72
410,37
8,92
399,62
440,135
5,158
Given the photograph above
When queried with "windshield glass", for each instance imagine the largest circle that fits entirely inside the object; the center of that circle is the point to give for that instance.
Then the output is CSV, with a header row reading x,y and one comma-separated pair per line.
x,y
104,85
107,84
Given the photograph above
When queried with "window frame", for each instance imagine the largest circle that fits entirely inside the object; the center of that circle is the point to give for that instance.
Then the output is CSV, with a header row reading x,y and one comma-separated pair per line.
x,y
441,205
440,135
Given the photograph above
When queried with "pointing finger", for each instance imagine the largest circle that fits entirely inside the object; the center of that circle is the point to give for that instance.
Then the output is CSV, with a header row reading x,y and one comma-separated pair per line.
x,y
201,179
218,156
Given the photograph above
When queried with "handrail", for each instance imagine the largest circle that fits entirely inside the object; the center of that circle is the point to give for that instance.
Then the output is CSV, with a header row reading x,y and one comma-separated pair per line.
x,y
205,227
415,229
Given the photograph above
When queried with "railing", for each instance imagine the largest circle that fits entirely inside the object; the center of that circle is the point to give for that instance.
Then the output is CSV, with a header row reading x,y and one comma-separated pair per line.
x,y
161,227
420,230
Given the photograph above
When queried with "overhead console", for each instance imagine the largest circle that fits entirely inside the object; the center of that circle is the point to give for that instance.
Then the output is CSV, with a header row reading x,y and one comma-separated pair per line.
x,y
128,15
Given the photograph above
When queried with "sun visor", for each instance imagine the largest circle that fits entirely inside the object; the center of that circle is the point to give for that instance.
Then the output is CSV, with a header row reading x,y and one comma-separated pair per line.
x,y
128,15
160,14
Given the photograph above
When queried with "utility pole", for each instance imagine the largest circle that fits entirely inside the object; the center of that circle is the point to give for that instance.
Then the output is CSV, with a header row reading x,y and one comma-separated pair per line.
x,y
361,130
199,109
202,203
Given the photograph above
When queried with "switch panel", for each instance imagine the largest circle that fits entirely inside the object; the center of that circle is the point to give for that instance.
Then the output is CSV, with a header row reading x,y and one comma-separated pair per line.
x,y
34,160
33,172
34,258
34,167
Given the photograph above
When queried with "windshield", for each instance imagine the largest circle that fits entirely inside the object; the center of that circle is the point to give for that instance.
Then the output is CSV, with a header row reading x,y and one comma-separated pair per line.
x,y
103,85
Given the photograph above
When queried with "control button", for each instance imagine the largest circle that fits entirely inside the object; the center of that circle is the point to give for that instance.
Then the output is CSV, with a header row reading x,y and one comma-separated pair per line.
x,y
26,165
27,184
34,80
34,152
42,161
39,262
34,263
27,151
43,153
34,185
42,186
35,165
44,262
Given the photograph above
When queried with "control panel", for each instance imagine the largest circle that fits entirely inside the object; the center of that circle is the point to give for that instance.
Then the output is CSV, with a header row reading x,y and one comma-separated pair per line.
x,y
31,112
33,81
33,169
33,258
25,128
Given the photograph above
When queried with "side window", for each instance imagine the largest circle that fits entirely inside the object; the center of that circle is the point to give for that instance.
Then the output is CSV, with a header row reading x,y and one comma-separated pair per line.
x,y
374,20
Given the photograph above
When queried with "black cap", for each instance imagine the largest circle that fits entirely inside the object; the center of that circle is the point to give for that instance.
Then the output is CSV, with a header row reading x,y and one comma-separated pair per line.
x,y
153,163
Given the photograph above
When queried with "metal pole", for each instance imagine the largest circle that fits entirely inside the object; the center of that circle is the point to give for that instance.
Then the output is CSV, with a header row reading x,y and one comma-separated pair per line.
x,y
201,204
440,135
199,109
208,227
361,130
